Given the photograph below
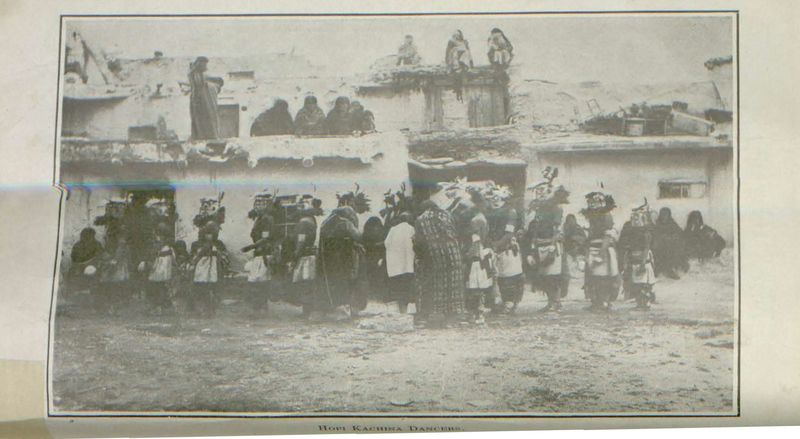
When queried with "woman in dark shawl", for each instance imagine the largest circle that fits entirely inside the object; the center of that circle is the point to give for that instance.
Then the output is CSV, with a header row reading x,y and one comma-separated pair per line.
x,y
360,119
668,246
702,241
85,256
339,258
440,275
375,256
275,121
202,103
86,249
338,120
310,120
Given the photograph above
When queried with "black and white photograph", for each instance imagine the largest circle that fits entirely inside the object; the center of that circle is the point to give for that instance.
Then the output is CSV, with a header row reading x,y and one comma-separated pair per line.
x,y
528,214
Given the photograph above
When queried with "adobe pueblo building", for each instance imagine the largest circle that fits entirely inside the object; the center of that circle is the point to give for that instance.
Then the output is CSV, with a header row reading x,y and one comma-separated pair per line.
x,y
127,129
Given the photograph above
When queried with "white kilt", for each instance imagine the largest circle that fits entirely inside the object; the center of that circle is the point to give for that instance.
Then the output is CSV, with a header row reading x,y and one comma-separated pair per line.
x,y
549,251
306,269
599,266
162,267
509,264
257,270
206,270
644,273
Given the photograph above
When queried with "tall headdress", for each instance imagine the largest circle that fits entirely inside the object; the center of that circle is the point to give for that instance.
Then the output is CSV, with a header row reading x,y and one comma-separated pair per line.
x,y
599,201
545,192
211,210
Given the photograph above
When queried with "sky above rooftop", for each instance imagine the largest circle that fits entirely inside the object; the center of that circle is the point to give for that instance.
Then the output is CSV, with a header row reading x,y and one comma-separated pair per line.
x,y
563,48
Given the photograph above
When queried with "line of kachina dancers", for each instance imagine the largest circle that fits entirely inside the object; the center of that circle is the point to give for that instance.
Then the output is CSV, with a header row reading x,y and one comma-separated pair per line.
x,y
449,255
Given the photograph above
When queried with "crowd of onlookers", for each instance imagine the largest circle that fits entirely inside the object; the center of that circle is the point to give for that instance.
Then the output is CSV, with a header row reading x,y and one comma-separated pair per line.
x,y
344,118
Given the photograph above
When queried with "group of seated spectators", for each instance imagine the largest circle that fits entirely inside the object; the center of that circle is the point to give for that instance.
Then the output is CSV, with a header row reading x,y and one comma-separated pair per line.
x,y
344,119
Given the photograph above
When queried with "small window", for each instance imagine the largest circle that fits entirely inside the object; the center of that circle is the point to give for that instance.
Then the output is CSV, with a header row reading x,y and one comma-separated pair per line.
x,y
681,189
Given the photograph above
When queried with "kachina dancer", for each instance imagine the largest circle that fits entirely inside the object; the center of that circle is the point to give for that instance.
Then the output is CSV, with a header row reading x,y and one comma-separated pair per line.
x,y
303,263
341,253
209,259
163,272
480,268
602,270
510,280
636,248
545,257
259,269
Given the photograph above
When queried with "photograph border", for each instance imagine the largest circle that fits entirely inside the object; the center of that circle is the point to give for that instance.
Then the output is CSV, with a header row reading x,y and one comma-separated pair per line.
x,y
57,184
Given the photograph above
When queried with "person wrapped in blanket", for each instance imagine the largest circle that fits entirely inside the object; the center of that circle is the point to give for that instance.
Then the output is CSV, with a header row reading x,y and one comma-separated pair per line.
x,y
702,241
501,51
264,248
162,272
302,251
340,254
545,256
209,262
637,262
602,271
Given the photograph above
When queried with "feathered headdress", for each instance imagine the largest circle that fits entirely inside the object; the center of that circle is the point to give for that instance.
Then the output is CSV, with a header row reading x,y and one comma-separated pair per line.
x,y
598,202
642,215
451,193
397,202
356,199
262,202
114,210
211,209
545,192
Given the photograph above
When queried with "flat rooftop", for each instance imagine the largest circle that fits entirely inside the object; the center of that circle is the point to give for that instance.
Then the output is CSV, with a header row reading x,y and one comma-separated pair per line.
x,y
364,149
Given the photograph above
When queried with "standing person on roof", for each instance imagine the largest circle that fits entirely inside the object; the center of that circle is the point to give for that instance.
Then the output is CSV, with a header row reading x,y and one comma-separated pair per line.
x,y
202,102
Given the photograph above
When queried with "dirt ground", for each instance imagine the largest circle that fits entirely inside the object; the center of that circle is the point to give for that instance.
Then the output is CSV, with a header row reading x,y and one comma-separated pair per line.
x,y
677,358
